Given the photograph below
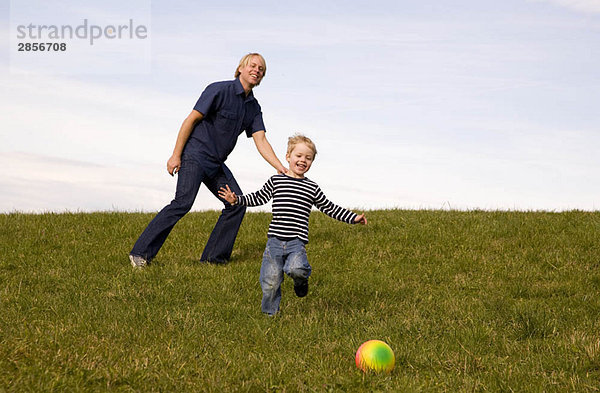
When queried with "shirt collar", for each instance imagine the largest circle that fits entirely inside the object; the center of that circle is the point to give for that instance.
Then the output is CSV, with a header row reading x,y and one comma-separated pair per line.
x,y
239,89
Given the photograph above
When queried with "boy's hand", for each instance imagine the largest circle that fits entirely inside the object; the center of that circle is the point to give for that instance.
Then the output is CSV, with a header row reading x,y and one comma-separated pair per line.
x,y
361,219
227,194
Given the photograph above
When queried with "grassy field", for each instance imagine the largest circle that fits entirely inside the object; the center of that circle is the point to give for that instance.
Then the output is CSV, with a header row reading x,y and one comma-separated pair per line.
x,y
469,301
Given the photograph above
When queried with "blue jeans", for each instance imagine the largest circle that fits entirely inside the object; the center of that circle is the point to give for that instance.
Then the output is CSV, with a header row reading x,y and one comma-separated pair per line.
x,y
192,173
280,257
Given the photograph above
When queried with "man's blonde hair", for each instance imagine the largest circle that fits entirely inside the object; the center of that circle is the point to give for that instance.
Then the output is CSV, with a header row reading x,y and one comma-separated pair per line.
x,y
246,59
299,138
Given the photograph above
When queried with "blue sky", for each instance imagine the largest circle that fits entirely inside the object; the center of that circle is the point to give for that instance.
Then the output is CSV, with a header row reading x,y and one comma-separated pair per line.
x,y
430,104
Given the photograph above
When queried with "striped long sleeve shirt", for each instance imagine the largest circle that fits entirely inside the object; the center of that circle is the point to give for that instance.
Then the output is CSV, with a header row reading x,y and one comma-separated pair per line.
x,y
292,201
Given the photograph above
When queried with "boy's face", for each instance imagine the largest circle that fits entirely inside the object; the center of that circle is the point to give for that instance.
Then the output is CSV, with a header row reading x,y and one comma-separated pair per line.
x,y
300,160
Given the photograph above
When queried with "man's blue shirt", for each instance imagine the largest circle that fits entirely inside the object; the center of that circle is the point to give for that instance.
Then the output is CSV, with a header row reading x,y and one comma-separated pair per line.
x,y
227,113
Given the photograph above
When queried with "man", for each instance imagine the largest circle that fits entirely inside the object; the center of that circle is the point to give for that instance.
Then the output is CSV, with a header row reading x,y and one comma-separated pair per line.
x,y
207,136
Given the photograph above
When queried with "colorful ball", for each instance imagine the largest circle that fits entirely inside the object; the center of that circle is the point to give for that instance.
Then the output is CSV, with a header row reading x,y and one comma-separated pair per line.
x,y
375,355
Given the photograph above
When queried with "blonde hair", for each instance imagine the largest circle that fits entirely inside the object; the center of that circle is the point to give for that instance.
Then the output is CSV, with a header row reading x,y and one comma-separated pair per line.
x,y
299,138
246,59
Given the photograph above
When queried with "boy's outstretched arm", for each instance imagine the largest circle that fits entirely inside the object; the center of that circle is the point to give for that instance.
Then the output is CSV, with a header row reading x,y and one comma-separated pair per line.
x,y
361,219
335,211
228,195
257,198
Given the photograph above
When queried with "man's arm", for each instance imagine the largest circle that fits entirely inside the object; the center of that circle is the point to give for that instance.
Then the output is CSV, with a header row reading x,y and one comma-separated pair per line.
x,y
266,150
174,163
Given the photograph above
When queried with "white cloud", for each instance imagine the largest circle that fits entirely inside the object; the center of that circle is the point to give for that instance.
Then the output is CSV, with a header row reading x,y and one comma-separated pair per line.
x,y
35,183
419,114
585,6
87,121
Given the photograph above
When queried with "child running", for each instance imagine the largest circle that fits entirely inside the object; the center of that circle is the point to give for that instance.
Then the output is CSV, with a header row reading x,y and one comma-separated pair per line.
x,y
293,197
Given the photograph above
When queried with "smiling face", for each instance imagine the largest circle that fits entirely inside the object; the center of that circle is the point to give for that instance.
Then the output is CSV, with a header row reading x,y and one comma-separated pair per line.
x,y
300,159
252,72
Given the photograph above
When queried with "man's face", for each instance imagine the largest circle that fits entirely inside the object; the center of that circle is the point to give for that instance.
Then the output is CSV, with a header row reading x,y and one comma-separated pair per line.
x,y
252,73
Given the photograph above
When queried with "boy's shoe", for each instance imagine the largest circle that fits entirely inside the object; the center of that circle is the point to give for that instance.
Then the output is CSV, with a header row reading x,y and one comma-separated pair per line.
x,y
137,261
301,287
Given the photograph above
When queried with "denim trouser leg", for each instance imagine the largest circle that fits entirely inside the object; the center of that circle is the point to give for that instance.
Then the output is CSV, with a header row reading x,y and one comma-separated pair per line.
x,y
220,243
281,257
189,178
296,264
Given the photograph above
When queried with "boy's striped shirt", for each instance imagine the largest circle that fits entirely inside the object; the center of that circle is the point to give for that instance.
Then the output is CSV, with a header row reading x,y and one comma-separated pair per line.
x,y
292,201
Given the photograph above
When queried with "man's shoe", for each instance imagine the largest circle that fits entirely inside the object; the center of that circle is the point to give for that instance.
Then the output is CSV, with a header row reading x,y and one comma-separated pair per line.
x,y
213,262
137,261
301,287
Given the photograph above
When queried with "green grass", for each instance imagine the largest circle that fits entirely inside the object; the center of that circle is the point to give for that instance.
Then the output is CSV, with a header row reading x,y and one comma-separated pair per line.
x,y
469,301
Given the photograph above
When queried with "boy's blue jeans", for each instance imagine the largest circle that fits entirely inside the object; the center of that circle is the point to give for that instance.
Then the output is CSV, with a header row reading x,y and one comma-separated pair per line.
x,y
280,257
193,172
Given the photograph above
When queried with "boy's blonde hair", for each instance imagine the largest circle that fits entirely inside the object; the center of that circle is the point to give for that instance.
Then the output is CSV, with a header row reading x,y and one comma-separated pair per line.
x,y
299,138
246,59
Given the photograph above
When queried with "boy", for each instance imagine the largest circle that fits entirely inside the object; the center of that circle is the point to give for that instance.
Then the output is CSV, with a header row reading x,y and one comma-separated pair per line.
x,y
293,197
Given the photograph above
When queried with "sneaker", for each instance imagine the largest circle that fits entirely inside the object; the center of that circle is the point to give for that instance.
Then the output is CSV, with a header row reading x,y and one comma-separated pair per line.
x,y
301,287
137,261
213,262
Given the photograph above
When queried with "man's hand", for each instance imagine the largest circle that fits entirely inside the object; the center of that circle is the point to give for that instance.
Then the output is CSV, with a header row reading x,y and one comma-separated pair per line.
x,y
266,151
173,164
